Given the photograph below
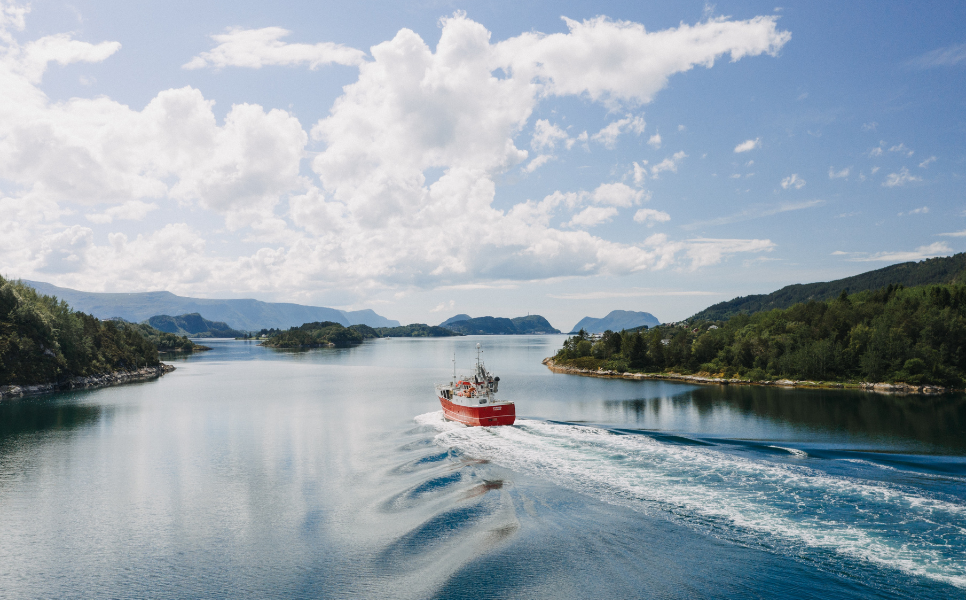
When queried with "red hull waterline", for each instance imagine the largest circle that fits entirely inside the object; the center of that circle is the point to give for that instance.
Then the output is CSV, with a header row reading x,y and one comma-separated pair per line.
x,y
479,416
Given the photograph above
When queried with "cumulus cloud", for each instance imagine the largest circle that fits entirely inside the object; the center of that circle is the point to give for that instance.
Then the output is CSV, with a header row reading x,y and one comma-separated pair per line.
x,y
547,135
256,48
654,141
593,215
609,134
927,162
899,179
366,215
617,194
793,181
668,164
748,145
840,174
537,162
651,216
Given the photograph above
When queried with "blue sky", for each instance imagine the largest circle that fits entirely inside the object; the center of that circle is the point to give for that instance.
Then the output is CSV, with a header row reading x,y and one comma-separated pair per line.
x,y
425,159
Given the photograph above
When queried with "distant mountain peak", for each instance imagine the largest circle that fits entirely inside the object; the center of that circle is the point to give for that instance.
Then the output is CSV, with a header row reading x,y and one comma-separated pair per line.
x,y
455,319
617,320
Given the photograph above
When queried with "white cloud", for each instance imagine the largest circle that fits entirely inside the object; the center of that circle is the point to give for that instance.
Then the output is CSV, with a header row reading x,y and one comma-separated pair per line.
x,y
877,151
132,210
793,181
546,135
538,162
902,148
930,251
875,170
640,172
593,215
681,128
870,126
444,306
954,234
620,61
655,141
748,145
756,212
651,216
370,220
926,162
256,48
916,211
668,164
616,194
840,174
63,50
609,134
949,56
901,178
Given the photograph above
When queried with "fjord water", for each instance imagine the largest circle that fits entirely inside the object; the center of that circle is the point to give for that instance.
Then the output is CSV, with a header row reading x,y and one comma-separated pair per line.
x,y
255,473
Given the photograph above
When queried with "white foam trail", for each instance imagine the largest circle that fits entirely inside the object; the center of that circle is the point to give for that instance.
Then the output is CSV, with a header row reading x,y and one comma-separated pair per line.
x,y
780,506
793,451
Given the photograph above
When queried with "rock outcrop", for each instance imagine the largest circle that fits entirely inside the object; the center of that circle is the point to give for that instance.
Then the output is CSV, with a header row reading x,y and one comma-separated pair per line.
x,y
92,381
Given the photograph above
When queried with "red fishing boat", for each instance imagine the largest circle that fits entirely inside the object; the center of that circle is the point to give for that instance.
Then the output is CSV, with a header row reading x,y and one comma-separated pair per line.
x,y
472,400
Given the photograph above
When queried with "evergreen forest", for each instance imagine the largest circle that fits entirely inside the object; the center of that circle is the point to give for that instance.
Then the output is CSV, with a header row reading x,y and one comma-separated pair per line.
x,y
42,340
913,335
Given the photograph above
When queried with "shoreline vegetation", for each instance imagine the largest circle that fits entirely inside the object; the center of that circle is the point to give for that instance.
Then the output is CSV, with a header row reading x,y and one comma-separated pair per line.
x,y
47,346
704,378
895,339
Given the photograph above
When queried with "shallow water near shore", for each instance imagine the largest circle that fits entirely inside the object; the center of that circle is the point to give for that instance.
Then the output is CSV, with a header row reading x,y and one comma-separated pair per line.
x,y
252,472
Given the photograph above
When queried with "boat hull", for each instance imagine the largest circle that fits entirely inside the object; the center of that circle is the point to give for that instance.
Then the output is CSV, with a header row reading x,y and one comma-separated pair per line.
x,y
487,415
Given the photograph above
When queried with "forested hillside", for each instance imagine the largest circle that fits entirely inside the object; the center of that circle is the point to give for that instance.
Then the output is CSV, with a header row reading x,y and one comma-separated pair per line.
x,y
951,269
894,334
42,340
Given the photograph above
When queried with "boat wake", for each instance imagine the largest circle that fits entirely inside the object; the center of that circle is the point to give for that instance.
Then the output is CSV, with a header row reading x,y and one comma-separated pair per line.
x,y
786,507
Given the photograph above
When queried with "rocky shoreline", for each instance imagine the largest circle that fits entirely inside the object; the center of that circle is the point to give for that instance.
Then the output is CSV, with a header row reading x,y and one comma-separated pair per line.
x,y
884,388
92,381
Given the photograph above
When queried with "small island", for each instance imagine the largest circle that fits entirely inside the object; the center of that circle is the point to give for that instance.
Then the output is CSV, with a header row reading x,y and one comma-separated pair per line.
x,y
335,335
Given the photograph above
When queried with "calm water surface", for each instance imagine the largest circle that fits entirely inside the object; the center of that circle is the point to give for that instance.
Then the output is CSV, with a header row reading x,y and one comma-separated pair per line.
x,y
254,473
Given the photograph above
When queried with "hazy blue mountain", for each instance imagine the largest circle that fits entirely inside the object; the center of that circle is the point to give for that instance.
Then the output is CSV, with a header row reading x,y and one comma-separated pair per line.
x,y
459,317
368,317
246,315
615,321
947,269
193,325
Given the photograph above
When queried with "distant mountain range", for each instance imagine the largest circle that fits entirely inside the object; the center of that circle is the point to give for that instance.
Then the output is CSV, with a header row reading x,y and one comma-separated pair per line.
x,y
246,315
193,325
467,325
951,269
616,320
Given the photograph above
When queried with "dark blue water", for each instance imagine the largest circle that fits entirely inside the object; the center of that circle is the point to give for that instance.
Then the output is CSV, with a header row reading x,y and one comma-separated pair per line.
x,y
253,473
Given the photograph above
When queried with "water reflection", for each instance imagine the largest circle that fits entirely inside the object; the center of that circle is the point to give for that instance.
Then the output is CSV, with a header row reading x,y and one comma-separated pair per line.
x,y
26,416
930,423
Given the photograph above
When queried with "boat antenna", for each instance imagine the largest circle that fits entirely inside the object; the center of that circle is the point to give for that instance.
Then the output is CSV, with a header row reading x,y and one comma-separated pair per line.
x,y
454,367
